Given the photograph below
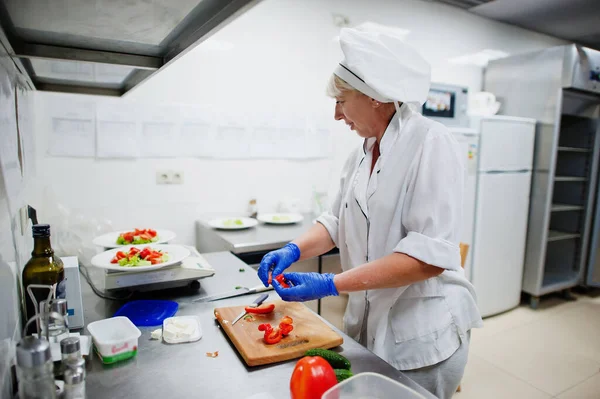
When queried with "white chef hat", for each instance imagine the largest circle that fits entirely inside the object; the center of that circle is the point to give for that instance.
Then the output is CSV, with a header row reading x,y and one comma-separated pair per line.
x,y
380,65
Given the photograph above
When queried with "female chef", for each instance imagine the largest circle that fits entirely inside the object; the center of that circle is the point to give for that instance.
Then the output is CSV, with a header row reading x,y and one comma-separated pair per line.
x,y
396,220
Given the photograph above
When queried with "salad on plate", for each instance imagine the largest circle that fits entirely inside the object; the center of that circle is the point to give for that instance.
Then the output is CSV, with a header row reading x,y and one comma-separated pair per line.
x,y
137,237
139,257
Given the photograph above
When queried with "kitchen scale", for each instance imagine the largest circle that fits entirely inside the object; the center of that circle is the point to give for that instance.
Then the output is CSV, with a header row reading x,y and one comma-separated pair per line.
x,y
185,273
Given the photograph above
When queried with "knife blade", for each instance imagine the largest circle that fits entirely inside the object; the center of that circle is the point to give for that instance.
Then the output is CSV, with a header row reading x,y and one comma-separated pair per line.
x,y
257,302
234,293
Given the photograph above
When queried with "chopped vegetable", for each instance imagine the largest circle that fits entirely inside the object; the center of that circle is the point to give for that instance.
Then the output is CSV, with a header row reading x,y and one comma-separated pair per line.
x,y
270,278
336,360
212,354
262,309
135,257
233,222
311,377
282,218
273,336
249,317
138,236
286,326
281,280
242,270
238,287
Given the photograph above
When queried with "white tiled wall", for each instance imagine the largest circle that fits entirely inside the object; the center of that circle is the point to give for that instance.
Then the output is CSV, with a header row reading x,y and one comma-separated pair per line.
x,y
14,246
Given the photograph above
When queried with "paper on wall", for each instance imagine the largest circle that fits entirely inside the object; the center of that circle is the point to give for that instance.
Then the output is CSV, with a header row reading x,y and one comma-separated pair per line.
x,y
118,131
72,130
195,132
232,137
159,131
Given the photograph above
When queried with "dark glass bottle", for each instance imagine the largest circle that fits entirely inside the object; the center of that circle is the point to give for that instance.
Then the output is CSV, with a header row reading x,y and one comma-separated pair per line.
x,y
43,268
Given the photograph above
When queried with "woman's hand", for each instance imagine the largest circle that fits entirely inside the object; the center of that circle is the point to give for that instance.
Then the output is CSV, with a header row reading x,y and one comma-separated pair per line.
x,y
277,261
306,286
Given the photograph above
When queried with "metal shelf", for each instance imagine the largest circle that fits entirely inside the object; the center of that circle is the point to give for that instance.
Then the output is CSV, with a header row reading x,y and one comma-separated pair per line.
x,y
569,178
554,235
566,207
574,149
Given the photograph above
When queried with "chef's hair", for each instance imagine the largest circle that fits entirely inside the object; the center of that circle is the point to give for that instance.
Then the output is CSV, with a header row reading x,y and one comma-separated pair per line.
x,y
337,86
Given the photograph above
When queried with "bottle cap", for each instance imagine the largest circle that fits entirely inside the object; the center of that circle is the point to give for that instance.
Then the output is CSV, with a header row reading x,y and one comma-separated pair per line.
x,y
74,372
41,230
32,352
70,345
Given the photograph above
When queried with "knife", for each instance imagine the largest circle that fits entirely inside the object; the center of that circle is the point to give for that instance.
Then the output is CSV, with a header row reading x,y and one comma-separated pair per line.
x,y
254,304
234,293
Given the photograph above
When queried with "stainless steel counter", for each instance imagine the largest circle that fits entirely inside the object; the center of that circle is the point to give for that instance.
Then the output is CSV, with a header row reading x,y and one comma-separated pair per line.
x,y
184,371
263,237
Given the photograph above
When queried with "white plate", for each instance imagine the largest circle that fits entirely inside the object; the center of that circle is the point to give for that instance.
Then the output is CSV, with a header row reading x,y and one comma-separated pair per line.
x,y
109,240
280,218
177,253
232,223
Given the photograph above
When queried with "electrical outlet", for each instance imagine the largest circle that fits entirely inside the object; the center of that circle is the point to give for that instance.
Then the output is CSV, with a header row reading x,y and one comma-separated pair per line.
x,y
177,177
163,177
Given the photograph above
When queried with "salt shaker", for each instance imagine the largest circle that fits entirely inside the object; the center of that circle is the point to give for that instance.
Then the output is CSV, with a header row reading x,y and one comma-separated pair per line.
x,y
35,369
73,368
74,377
70,349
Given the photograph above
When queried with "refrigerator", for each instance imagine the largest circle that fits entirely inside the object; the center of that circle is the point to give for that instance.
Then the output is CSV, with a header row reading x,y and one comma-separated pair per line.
x,y
468,140
560,88
503,184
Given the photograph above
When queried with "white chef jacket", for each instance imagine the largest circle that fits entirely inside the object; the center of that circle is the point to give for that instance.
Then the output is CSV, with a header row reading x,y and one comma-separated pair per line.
x,y
412,204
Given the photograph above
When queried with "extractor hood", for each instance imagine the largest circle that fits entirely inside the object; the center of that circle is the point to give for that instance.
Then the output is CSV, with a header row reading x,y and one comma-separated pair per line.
x,y
577,21
106,47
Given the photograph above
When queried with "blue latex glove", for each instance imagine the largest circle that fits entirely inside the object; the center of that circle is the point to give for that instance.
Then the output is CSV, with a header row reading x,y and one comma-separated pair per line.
x,y
306,286
278,261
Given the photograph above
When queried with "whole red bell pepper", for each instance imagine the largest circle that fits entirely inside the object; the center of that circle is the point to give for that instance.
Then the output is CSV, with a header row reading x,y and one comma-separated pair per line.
x,y
311,377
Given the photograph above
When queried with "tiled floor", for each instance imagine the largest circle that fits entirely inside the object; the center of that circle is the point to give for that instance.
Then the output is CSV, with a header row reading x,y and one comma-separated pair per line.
x,y
552,352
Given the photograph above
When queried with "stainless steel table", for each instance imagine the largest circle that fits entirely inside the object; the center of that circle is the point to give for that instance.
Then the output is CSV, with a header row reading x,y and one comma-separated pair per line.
x,y
263,237
184,371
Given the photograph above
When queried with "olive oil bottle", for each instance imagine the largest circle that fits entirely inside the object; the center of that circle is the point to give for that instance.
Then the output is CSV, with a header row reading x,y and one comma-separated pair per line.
x,y
43,268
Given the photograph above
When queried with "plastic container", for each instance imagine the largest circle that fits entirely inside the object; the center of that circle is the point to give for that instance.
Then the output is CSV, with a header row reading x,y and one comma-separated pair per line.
x,y
115,339
370,386
148,313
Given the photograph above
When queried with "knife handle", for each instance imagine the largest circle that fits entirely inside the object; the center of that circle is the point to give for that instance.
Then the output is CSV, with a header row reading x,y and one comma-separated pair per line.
x,y
261,299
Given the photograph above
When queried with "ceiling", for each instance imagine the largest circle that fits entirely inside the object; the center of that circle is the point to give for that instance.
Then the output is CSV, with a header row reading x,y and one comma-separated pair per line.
x,y
573,20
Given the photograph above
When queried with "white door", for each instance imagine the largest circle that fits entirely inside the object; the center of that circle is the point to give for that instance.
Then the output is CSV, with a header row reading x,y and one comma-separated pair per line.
x,y
469,144
506,144
500,233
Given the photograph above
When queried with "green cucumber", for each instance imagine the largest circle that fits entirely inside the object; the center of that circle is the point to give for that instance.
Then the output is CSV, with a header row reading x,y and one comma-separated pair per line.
x,y
342,374
336,360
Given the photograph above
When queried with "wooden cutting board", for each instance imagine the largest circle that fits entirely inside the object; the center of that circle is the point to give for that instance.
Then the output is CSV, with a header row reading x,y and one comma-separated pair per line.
x,y
309,332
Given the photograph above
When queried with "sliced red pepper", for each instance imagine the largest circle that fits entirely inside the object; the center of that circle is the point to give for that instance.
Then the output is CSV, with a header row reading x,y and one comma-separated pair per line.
x,y
286,329
261,310
287,320
273,337
265,327
270,278
281,280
